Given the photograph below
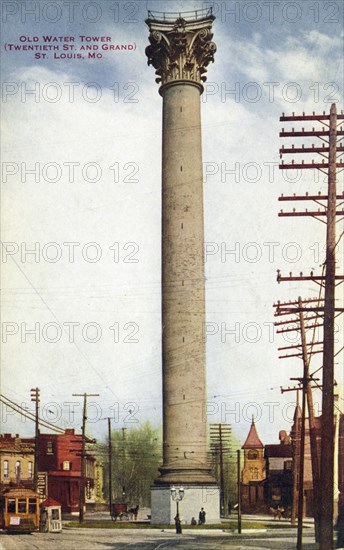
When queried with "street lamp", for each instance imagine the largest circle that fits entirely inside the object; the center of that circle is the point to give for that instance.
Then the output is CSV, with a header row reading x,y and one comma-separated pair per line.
x,y
177,495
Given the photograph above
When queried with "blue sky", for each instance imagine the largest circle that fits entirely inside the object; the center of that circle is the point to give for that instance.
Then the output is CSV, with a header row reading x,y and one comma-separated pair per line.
x,y
267,62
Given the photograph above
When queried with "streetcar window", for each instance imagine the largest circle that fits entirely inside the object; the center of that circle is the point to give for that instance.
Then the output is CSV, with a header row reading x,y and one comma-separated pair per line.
x,y
32,505
21,505
11,505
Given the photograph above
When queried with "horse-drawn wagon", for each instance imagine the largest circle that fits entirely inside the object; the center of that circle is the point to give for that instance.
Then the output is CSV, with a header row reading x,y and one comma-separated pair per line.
x,y
120,511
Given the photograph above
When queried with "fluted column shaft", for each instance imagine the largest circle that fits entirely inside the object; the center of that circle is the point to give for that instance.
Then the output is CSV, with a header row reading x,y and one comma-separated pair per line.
x,y
180,51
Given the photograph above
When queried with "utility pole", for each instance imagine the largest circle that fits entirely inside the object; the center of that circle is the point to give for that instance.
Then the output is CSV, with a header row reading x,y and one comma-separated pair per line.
x,y
239,490
220,445
123,463
328,203
110,467
327,424
35,398
298,308
299,459
83,453
222,482
312,432
296,456
301,466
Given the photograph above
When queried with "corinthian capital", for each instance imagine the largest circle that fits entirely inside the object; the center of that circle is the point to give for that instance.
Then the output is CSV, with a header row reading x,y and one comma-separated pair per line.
x,y
180,49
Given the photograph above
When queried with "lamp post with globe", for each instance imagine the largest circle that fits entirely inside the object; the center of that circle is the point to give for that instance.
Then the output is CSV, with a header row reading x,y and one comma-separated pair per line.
x,y
177,496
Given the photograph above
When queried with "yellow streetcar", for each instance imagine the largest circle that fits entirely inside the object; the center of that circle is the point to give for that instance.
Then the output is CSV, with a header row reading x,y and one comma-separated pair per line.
x,y
19,510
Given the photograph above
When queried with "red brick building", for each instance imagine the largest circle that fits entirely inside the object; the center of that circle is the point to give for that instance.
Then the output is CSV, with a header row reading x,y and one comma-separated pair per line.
x,y
338,420
59,455
270,472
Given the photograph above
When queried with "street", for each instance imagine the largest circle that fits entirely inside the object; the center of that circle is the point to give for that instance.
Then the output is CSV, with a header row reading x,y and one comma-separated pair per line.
x,y
152,539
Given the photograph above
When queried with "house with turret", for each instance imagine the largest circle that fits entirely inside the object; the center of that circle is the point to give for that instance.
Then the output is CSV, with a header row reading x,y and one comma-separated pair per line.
x,y
253,473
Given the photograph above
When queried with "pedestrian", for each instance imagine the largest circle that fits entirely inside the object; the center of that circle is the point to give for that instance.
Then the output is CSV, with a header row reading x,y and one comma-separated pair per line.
x,y
340,527
201,517
43,520
178,525
229,507
193,521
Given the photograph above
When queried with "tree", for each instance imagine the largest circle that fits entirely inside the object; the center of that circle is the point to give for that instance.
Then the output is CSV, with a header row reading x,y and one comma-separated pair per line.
x,y
136,456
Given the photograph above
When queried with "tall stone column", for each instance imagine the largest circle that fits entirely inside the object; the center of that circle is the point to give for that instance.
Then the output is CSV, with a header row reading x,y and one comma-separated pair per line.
x,y
180,50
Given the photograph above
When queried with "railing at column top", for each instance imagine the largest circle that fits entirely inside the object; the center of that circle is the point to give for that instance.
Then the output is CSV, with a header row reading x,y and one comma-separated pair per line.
x,y
170,17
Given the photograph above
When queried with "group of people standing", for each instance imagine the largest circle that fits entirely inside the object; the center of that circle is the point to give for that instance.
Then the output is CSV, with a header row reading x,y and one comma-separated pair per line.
x,y
201,521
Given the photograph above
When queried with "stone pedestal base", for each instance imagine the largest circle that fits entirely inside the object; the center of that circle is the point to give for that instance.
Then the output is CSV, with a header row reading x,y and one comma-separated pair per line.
x,y
195,497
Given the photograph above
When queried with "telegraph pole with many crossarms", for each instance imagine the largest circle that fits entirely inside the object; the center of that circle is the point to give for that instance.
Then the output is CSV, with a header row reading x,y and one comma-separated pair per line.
x,y
329,209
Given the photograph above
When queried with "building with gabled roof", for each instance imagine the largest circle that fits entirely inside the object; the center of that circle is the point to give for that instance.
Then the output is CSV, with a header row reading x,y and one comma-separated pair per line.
x,y
253,473
252,440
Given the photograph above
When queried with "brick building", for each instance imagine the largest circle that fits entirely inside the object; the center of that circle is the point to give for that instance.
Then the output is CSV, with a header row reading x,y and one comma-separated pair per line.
x,y
338,457
267,475
278,486
59,455
16,461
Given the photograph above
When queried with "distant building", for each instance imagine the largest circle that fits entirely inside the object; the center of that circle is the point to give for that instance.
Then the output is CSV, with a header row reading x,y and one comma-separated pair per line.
x,y
338,457
267,475
16,461
59,456
307,475
253,473
279,473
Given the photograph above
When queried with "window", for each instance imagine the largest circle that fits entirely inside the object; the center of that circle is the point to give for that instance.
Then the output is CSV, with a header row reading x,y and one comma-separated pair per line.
x,y
29,469
18,470
55,513
6,470
50,450
22,506
252,455
66,465
32,505
11,505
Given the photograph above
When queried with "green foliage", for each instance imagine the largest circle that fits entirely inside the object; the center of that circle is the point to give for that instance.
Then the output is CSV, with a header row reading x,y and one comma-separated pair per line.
x,y
136,456
231,525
